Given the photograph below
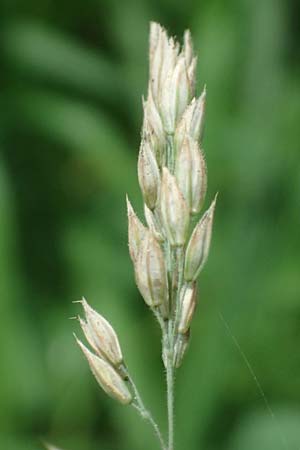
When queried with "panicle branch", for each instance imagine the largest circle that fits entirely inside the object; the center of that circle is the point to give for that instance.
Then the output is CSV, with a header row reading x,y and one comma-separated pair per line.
x,y
168,253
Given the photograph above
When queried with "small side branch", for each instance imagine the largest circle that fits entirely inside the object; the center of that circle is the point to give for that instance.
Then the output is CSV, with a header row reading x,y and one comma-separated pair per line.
x,y
138,404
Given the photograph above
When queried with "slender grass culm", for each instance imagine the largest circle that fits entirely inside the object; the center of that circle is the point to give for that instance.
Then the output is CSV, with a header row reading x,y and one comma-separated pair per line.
x,y
169,253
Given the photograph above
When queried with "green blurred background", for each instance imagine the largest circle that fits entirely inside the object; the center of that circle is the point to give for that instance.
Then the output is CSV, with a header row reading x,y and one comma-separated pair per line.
x,y
70,116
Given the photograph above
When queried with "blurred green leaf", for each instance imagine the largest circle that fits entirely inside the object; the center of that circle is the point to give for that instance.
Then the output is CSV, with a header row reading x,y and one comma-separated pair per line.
x,y
42,50
258,430
87,132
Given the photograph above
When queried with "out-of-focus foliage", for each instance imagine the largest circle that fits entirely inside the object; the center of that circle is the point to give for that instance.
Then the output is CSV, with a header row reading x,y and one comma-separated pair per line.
x,y
70,115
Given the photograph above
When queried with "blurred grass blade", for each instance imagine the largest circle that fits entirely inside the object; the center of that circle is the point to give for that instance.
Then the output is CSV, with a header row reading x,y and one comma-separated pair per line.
x,y
91,135
48,53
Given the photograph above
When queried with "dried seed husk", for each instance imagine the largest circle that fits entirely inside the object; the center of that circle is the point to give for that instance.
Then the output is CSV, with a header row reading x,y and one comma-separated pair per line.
x,y
188,302
172,75
148,174
101,335
188,47
152,224
174,210
198,247
165,350
151,274
190,172
153,130
136,231
175,95
192,121
163,55
181,345
106,376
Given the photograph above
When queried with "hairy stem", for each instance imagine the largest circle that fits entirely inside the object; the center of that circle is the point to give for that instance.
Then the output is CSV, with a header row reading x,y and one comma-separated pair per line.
x,y
170,387
177,277
144,412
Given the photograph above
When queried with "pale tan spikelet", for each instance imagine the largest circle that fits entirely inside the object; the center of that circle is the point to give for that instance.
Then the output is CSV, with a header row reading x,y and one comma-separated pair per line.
x,y
175,95
180,348
156,54
170,56
188,47
151,274
174,210
106,376
101,335
198,116
172,75
152,224
153,128
136,231
154,36
148,174
192,121
188,302
89,335
141,273
198,246
191,72
183,86
190,60
162,59
190,172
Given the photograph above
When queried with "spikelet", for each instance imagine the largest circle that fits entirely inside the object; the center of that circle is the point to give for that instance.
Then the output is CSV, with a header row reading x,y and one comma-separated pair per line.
x,y
148,174
136,232
180,347
174,210
106,376
198,246
151,274
188,303
172,75
101,335
192,121
190,172
152,224
175,94
153,130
